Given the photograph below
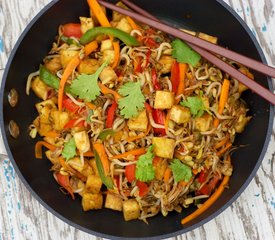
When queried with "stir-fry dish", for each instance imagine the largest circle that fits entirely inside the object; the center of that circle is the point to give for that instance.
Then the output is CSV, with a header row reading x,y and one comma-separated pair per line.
x,y
133,120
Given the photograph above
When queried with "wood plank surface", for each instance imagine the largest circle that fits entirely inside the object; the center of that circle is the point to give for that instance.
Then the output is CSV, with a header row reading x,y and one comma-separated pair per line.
x,y
252,216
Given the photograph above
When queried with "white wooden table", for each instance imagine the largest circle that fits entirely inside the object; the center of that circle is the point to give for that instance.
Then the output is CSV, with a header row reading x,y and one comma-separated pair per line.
x,y
252,216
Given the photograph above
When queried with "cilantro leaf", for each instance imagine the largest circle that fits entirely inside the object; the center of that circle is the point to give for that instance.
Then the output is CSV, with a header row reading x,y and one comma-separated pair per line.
x,y
145,171
85,85
132,101
180,171
196,106
184,54
69,150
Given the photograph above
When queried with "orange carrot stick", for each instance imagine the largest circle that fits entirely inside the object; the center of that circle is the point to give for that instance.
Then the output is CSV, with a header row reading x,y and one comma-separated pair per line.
x,y
222,142
134,138
182,73
99,14
132,23
135,152
66,74
90,47
90,105
223,150
38,148
99,148
106,90
216,122
117,54
208,203
167,175
52,134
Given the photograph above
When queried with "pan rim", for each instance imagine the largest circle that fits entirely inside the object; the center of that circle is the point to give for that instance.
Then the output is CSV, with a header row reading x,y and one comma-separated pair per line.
x,y
183,230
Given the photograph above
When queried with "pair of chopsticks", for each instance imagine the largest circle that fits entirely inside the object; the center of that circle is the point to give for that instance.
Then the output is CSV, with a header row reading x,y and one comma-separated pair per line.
x,y
204,48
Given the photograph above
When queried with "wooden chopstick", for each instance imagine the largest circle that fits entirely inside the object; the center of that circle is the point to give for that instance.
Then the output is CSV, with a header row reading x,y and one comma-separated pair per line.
x,y
150,20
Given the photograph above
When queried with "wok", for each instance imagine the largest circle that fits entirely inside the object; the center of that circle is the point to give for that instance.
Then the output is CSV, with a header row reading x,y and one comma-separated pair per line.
x,y
212,17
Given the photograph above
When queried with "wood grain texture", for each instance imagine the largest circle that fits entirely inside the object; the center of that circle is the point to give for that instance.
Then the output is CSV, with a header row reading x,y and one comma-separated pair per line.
x,y
252,216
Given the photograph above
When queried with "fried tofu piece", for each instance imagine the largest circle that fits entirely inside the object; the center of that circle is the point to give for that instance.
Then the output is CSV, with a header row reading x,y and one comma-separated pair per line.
x,y
93,184
108,56
166,62
53,64
44,129
164,147
139,123
88,66
124,25
208,38
180,114
108,75
164,100
91,201
130,209
113,202
160,167
241,123
106,44
59,119
86,24
94,167
40,88
82,141
66,56
50,103
203,123
76,164
49,155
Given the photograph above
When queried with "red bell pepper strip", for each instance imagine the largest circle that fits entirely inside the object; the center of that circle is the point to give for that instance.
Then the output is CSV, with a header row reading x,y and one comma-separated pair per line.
x,y
208,188
72,124
159,118
111,115
69,104
63,181
148,107
138,68
130,171
148,55
203,176
175,77
150,42
143,188
155,80
72,30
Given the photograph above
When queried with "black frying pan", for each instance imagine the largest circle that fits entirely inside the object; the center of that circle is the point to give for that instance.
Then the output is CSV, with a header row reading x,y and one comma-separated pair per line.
x,y
212,17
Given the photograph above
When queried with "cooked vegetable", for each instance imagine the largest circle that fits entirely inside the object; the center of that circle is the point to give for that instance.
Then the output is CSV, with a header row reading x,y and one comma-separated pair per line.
x,y
69,150
196,106
180,171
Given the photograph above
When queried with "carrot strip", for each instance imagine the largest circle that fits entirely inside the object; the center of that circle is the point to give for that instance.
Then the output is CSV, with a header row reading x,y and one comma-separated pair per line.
x,y
117,54
182,73
167,175
52,134
99,148
90,105
70,169
223,150
222,142
195,171
97,11
88,154
216,122
38,148
134,152
208,203
106,90
134,138
90,47
132,23
183,183
66,74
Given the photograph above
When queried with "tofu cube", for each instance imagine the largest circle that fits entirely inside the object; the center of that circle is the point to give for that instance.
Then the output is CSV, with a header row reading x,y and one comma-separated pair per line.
x,y
40,88
108,75
54,160
160,167
164,100
44,115
180,114
92,201
82,141
76,164
164,147
203,123
108,55
124,25
50,103
93,184
66,56
241,123
60,119
208,38
94,167
53,64
113,202
87,170
139,123
88,66
166,64
130,209
86,24
44,128
106,45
